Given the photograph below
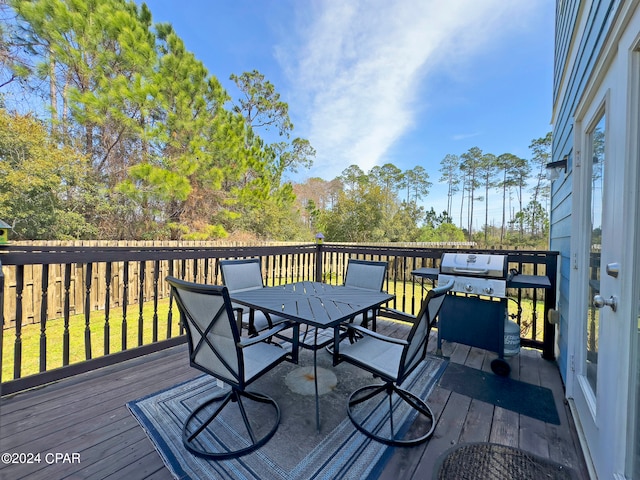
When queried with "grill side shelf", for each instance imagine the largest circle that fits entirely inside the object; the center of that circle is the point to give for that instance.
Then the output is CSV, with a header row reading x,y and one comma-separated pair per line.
x,y
426,272
529,281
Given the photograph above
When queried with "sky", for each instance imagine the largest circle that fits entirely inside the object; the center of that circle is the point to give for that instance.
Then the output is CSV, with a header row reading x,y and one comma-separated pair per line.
x,y
370,82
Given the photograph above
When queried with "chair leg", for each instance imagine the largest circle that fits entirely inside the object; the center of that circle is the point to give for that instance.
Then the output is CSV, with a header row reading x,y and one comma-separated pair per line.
x,y
379,412
245,419
206,423
390,398
228,451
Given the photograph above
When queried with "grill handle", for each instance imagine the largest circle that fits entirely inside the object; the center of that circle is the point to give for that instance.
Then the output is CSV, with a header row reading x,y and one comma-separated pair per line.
x,y
470,271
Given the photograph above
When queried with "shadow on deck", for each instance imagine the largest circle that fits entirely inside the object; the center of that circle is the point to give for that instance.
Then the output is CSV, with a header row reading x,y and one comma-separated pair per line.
x,y
86,415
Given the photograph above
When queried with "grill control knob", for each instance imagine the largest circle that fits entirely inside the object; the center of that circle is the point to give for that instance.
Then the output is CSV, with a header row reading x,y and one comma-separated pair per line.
x,y
488,290
468,287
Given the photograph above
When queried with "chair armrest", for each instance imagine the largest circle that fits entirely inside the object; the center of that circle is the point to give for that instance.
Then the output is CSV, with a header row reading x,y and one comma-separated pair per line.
x,y
370,333
395,314
263,336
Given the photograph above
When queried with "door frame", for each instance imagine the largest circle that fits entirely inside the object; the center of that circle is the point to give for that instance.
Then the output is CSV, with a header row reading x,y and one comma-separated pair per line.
x,y
589,408
632,177
603,419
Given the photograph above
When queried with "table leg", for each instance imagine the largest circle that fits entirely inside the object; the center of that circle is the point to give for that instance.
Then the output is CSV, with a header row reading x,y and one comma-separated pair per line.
x,y
315,378
336,345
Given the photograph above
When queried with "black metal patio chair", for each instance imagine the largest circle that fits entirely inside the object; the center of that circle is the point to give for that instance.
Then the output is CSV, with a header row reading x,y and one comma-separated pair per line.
x,y
392,360
367,274
242,275
216,348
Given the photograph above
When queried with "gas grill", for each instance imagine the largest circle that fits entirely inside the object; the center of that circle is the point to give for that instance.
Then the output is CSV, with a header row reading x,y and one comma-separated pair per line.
x,y
477,274
475,312
478,317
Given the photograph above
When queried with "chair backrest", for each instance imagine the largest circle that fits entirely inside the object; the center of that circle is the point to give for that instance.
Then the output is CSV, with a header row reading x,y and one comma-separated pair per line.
x,y
212,331
416,350
365,274
241,275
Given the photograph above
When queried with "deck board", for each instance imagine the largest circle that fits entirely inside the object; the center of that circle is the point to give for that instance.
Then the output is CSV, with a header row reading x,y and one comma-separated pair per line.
x,y
476,428
448,430
87,414
532,436
505,427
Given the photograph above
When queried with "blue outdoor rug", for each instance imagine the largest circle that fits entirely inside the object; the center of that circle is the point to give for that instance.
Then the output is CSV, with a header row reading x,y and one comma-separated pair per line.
x,y
297,450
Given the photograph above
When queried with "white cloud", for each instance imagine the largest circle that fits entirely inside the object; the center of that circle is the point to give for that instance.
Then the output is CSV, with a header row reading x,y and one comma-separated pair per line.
x,y
464,136
357,67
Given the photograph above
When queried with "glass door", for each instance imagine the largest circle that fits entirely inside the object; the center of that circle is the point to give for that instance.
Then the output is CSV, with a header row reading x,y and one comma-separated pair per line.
x,y
597,144
597,247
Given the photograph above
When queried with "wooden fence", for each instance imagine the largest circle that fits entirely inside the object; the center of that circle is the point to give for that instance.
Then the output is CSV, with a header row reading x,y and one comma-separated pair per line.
x,y
46,284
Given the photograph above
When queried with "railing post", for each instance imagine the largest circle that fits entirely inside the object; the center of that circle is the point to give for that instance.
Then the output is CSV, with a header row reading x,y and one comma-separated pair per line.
x,y
125,303
44,311
319,262
1,317
87,310
141,274
66,308
107,309
548,347
156,277
170,313
17,348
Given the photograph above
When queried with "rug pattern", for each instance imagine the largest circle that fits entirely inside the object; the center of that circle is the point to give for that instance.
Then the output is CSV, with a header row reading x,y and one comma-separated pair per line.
x,y
297,451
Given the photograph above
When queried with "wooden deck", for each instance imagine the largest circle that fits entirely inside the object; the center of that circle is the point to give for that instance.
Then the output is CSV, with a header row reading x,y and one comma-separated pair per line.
x,y
86,415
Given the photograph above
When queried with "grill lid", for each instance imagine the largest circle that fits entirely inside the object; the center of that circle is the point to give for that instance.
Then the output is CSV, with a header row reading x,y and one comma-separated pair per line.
x,y
474,264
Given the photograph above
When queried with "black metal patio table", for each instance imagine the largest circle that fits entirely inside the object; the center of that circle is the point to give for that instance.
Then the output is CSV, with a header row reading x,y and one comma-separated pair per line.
x,y
317,304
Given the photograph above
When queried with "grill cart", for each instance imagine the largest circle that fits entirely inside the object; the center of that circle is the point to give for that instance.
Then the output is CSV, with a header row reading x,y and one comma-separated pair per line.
x,y
475,314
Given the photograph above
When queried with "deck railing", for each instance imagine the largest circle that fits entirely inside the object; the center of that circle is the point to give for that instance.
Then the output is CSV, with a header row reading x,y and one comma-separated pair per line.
x,y
67,310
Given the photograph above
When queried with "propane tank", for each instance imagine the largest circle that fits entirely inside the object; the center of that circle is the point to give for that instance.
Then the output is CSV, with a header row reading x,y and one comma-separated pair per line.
x,y
511,337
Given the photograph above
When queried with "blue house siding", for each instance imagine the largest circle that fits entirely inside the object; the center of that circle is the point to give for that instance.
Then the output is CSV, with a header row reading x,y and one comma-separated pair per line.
x,y
599,18
566,17
570,80
561,234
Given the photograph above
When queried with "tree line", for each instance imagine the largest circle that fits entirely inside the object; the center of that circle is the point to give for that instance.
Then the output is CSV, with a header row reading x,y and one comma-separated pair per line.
x,y
477,175
111,129
148,144
386,203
